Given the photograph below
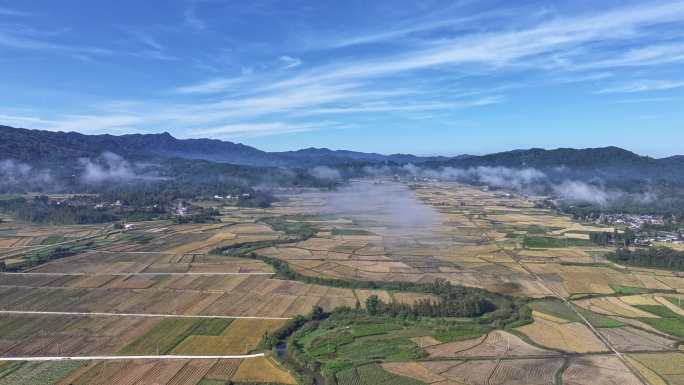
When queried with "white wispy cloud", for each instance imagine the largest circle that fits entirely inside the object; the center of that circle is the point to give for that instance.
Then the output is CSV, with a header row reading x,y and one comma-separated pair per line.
x,y
230,131
290,62
11,39
269,99
650,100
508,48
381,106
644,86
647,55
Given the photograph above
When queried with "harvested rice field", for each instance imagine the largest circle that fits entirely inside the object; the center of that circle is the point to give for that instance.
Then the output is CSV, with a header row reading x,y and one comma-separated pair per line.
x,y
504,243
145,372
572,337
667,368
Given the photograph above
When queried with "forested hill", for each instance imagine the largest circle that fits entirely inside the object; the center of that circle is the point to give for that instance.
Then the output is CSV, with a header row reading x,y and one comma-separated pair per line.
x,y
44,148
605,163
38,147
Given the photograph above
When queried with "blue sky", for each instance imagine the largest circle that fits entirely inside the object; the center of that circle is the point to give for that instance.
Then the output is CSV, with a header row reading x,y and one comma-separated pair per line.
x,y
423,77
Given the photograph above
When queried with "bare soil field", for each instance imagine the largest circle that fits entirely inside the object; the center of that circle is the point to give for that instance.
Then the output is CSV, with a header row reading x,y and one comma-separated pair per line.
x,y
630,339
495,344
599,370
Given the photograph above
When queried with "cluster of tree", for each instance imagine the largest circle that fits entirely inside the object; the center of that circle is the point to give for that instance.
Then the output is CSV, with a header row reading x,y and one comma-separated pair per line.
x,y
448,305
206,215
659,257
41,210
46,255
301,230
624,239
271,339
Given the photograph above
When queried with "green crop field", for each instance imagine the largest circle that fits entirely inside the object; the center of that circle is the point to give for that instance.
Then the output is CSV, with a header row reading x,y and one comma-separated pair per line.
x,y
555,308
670,322
551,243
372,375
338,231
161,339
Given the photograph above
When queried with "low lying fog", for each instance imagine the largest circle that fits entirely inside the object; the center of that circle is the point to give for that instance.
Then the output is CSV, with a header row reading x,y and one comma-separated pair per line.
x,y
557,182
387,204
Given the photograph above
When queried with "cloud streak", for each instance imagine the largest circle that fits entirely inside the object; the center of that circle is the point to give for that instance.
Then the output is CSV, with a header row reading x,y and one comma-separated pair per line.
x,y
644,86
110,167
441,70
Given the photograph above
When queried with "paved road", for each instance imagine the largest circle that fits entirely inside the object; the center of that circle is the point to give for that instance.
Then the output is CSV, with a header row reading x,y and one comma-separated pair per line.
x,y
144,315
121,358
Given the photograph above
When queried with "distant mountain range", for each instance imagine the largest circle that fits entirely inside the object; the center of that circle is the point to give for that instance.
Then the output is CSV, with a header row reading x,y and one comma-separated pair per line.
x,y
607,163
41,147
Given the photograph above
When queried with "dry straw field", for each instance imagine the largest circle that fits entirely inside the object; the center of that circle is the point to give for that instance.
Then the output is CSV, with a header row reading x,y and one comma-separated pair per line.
x,y
583,308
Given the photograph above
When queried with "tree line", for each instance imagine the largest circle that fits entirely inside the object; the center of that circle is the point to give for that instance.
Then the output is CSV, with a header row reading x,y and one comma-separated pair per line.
x,y
659,257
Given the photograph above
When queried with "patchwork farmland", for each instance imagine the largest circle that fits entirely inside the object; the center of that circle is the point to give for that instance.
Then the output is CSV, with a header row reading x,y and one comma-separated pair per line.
x,y
183,297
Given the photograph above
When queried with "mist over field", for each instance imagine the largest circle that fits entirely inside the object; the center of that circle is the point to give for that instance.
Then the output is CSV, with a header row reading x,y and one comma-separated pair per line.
x,y
388,204
559,182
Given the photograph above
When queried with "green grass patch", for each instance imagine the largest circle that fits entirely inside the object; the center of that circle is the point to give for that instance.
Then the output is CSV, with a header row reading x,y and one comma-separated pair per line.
x,y
670,326
598,320
386,347
372,374
293,225
52,239
210,326
670,322
561,310
555,308
162,338
536,229
348,340
551,243
139,238
675,301
366,330
659,310
338,231
629,290
576,296
342,341
466,332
